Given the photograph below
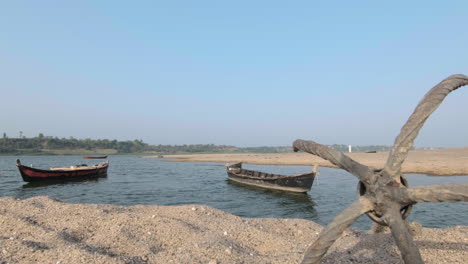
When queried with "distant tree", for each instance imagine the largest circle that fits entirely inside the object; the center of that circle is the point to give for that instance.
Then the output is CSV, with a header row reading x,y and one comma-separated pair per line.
x,y
40,136
4,135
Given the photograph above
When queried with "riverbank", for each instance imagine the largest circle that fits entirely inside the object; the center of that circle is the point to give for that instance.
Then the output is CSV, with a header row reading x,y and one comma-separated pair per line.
x,y
43,230
437,162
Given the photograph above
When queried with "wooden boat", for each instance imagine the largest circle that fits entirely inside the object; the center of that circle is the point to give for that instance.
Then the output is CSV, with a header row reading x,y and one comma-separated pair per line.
x,y
97,157
293,183
84,171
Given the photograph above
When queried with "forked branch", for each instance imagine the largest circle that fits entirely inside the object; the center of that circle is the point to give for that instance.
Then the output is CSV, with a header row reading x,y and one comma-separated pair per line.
x,y
386,195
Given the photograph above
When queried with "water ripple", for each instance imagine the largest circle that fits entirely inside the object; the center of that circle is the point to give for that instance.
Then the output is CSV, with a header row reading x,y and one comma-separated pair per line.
x,y
132,181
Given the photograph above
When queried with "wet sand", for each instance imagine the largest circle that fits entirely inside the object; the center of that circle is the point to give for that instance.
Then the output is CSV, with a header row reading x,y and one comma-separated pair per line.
x,y
438,162
43,230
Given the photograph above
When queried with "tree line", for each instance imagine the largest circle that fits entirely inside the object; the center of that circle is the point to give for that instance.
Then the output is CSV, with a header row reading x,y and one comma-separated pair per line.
x,y
47,144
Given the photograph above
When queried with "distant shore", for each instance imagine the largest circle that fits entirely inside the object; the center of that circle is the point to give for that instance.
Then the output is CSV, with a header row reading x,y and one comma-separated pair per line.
x,y
436,162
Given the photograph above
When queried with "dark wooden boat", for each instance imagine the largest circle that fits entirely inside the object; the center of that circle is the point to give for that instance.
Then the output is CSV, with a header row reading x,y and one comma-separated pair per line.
x,y
293,183
95,157
84,171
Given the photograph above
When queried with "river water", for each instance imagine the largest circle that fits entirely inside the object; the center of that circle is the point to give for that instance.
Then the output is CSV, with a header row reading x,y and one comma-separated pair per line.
x,y
133,180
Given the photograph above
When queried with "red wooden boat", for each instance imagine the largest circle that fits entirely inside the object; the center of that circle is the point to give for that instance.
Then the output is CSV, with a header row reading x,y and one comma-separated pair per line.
x,y
30,174
98,157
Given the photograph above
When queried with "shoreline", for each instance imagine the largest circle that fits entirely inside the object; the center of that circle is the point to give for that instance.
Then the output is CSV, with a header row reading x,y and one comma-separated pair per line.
x,y
436,162
45,230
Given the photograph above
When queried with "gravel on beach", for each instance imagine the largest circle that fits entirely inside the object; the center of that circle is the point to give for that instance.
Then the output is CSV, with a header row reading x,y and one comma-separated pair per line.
x,y
45,230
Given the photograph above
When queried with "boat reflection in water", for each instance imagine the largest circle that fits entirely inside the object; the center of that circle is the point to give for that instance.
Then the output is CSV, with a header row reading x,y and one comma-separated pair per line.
x,y
290,203
58,183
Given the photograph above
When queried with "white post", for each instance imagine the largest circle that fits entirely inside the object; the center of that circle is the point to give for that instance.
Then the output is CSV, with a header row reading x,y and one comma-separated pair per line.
x,y
349,148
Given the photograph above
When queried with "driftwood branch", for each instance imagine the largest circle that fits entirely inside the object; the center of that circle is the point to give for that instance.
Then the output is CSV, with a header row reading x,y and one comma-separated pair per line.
x,y
401,234
337,158
334,230
456,192
410,130
384,194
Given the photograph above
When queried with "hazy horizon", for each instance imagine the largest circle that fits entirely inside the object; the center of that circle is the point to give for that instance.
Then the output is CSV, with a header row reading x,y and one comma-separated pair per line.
x,y
246,74
239,146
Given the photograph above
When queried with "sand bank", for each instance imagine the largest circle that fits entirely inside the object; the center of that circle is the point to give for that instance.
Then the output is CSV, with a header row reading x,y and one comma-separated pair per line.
x,y
43,230
439,162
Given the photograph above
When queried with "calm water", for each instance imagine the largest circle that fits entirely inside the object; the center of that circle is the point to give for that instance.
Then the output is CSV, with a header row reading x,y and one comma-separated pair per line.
x,y
132,180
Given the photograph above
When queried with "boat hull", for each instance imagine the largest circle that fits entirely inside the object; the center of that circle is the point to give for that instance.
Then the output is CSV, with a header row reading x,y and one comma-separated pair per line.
x,y
300,185
294,183
38,175
99,157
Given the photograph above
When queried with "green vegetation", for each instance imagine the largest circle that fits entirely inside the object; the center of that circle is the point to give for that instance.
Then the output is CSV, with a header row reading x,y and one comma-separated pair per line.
x,y
46,145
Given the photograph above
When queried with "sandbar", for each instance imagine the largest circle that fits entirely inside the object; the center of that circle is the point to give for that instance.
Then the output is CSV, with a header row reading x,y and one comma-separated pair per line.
x,y
436,162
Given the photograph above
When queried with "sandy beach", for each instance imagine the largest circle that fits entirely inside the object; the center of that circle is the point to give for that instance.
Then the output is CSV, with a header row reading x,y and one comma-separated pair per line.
x,y
44,230
438,162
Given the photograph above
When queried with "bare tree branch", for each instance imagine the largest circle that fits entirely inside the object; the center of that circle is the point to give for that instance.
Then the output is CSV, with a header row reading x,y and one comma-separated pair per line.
x,y
333,231
440,193
401,234
410,130
337,158
386,194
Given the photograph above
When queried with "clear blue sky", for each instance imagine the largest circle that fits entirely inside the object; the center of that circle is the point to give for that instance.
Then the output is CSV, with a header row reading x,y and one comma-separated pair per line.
x,y
244,73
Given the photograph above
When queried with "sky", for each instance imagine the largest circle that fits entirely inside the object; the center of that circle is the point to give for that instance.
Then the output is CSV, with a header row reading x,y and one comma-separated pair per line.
x,y
243,73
